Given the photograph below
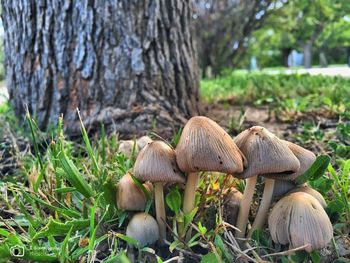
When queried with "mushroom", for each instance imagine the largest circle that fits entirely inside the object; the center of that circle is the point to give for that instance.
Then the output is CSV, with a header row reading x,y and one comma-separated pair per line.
x,y
143,141
129,196
205,146
143,228
282,187
127,148
232,202
266,154
298,219
312,192
156,163
305,157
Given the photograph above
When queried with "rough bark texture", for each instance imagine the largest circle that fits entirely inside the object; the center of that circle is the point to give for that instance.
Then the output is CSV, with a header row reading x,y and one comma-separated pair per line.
x,y
125,63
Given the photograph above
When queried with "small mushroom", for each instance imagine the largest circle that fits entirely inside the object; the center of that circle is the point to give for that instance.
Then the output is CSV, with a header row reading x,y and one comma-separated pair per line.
x,y
143,141
266,154
129,196
312,192
205,146
143,228
232,201
127,147
298,219
282,187
305,158
156,163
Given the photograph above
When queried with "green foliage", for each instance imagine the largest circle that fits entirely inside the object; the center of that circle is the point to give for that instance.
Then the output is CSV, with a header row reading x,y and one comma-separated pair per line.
x,y
287,95
324,23
317,169
174,200
67,208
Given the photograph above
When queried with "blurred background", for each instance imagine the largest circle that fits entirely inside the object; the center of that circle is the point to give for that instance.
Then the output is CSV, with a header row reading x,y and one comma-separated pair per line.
x,y
271,34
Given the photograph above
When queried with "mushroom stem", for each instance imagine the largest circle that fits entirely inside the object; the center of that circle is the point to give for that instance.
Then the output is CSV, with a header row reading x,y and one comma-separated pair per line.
x,y
264,206
243,213
160,210
190,192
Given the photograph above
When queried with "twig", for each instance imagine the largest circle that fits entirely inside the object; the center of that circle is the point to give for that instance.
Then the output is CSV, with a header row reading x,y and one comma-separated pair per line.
x,y
229,225
286,253
234,245
172,259
183,250
18,225
254,253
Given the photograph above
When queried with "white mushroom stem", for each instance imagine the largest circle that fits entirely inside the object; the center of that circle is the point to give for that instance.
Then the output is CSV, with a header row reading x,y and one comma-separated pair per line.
x,y
160,210
190,192
264,206
243,214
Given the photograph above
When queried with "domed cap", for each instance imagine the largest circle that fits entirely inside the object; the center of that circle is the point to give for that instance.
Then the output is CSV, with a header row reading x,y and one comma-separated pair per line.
x,y
205,146
126,147
299,219
143,228
129,196
266,154
306,159
312,192
143,141
156,163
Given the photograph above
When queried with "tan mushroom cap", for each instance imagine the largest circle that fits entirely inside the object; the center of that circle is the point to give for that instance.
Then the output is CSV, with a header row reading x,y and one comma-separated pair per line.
x,y
205,146
266,154
143,228
129,196
156,163
306,159
312,192
126,147
299,219
143,141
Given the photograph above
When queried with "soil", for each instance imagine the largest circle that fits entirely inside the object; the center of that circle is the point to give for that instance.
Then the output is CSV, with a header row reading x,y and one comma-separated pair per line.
x,y
225,114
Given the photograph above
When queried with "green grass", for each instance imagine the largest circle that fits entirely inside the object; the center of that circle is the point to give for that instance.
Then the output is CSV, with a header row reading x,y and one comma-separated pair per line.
x,y
283,93
62,206
77,203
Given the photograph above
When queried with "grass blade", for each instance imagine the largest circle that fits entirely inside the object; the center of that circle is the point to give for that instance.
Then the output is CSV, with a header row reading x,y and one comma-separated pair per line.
x,y
96,169
74,176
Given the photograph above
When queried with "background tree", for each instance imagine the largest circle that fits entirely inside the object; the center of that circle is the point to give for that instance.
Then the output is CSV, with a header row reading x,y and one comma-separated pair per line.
x,y
223,29
311,27
127,64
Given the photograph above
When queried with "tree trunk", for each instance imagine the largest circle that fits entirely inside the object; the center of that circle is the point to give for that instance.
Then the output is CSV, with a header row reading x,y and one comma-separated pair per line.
x,y
285,55
128,64
308,54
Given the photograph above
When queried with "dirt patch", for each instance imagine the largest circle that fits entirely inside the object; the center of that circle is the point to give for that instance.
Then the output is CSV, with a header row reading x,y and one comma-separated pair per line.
x,y
234,118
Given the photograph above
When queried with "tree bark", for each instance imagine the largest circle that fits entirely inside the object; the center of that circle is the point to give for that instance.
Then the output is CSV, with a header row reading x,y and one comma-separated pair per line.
x,y
128,64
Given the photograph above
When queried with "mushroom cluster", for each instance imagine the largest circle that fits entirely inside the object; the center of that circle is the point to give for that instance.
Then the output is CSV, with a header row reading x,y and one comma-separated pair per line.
x,y
205,146
156,163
